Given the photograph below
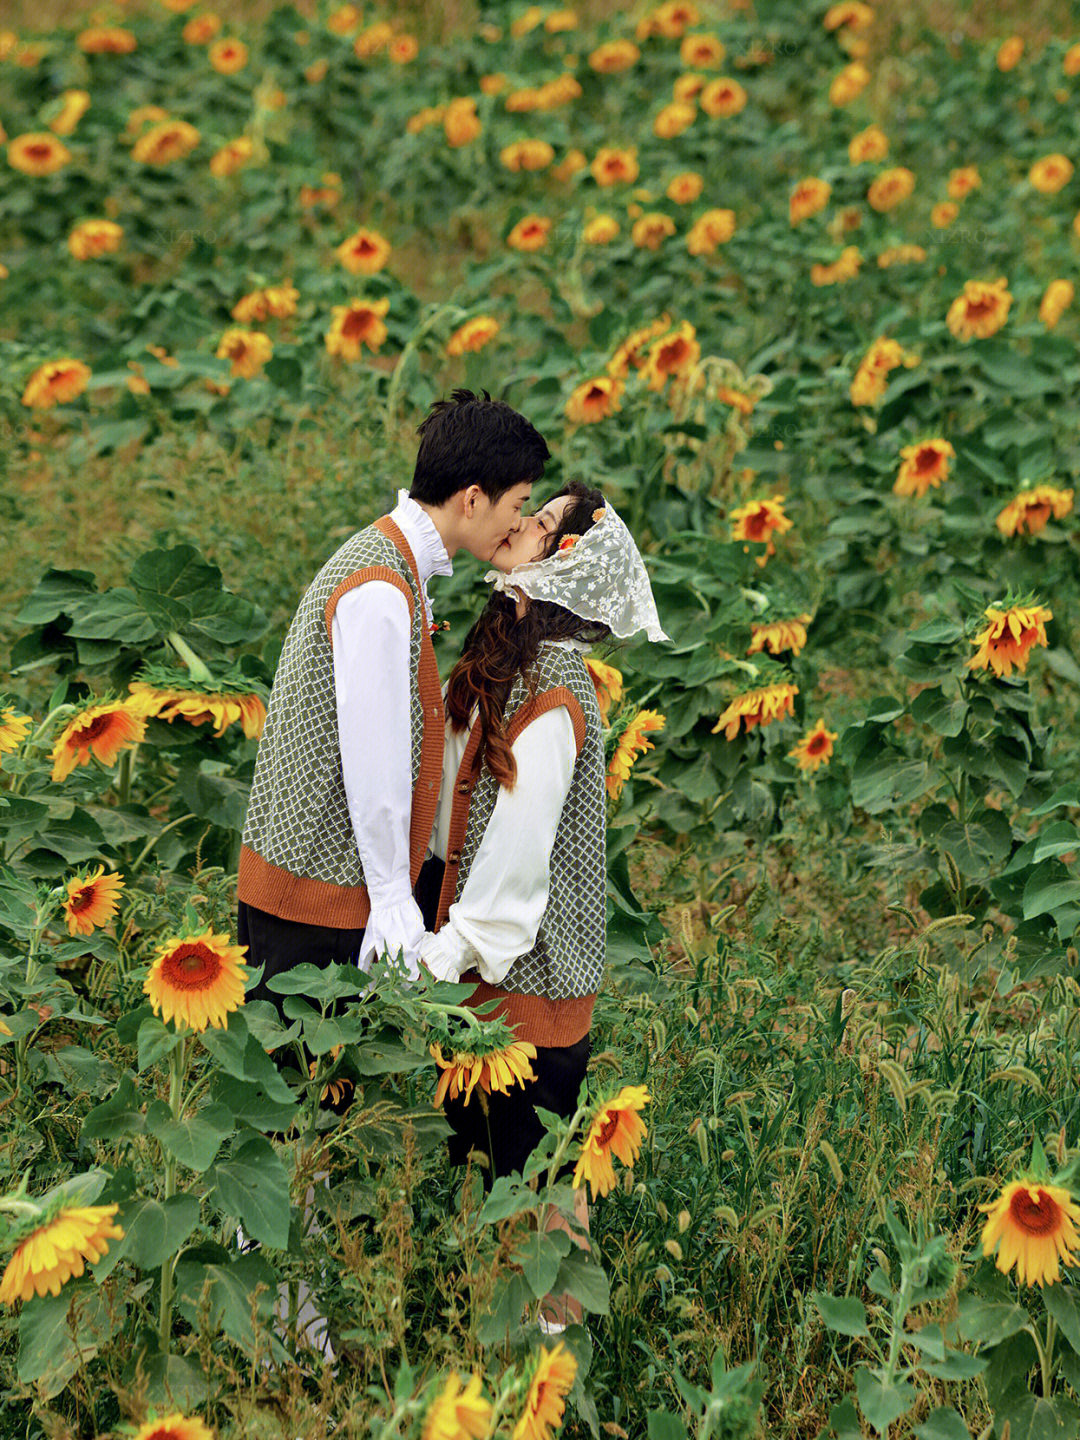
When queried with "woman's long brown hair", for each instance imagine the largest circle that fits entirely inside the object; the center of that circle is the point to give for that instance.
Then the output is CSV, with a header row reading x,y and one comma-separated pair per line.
x,y
500,646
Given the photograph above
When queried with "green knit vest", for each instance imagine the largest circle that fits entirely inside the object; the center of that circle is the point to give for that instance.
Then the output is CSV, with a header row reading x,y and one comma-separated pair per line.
x,y
568,957
298,814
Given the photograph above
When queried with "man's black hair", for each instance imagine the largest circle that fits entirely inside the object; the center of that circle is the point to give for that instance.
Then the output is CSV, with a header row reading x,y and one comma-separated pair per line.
x,y
475,440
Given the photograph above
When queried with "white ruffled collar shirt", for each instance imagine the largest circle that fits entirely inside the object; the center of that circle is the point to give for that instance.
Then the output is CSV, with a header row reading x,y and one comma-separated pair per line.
x,y
425,542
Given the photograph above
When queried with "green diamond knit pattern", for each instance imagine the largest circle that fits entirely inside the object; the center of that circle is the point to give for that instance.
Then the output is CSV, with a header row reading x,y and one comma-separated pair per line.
x,y
298,813
569,955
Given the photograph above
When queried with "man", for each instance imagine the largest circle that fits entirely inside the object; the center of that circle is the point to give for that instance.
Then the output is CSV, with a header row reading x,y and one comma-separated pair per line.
x,y
347,775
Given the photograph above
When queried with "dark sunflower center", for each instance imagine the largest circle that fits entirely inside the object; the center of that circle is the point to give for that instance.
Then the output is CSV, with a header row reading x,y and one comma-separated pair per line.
x,y
927,458
357,323
82,899
1041,1217
817,745
757,524
100,723
976,309
607,1130
193,967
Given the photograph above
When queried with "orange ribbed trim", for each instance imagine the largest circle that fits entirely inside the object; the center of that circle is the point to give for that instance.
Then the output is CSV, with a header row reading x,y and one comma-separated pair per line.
x,y
538,705
296,897
533,1017
369,572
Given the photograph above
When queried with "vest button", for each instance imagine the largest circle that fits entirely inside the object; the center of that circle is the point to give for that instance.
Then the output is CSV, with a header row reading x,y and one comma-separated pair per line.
x,y
453,857
464,788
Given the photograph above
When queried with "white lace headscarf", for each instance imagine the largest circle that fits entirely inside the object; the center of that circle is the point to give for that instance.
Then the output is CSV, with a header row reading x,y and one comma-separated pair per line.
x,y
601,576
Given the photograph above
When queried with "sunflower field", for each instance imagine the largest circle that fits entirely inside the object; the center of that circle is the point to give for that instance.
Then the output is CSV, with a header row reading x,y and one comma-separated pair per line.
x,y
794,284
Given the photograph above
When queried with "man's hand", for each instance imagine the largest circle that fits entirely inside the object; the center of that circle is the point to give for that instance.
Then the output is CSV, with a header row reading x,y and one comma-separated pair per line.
x,y
392,929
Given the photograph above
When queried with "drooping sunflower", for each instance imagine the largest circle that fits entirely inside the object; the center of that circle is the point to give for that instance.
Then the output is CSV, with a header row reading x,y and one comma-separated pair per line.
x,y
221,708
461,123
276,302
759,520
594,400
14,729
608,683
201,29
616,1129
530,233
106,40
630,745
100,730
51,1254
845,267
722,98
1057,298
889,188
632,351
552,1381
526,155
980,310
1009,637
1031,510
231,157
375,38
671,354
815,748
900,255
808,197
688,86
848,84
165,142
458,1412
612,166
364,253
572,163
871,378
91,238
73,106
923,466
1035,1225
246,350
848,15
92,901
778,636
55,383
673,119
760,706
333,1090
614,56
498,1069
174,1427
1009,52
355,325
713,228
197,980
473,335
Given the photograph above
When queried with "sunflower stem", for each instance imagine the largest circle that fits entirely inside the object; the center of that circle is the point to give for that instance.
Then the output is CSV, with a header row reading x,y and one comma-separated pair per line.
x,y
564,1143
124,774
1047,1356
196,667
31,743
397,378
145,851
177,1070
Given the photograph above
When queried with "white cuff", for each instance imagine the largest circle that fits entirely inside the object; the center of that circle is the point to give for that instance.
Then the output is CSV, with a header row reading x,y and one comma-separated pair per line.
x,y
396,894
394,928
447,955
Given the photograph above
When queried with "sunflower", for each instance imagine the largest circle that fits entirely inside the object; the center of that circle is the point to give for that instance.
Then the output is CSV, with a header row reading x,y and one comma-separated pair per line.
x,y
560,21
670,20
614,56
672,354
594,400
889,188
106,40
808,198
943,214
527,155
869,144
1009,637
1070,61
616,1128
650,231
403,48
1032,508
497,1070
848,15
328,193
601,230
91,238
615,167
1035,1224
37,153
844,267
228,55
334,1090
708,231
201,29
54,1252
900,255
778,636
165,142
871,378
530,233
924,465
461,124
355,325
473,335
961,182
688,86
174,1427
1051,173
632,351
73,106
100,730
364,253
702,51
1057,298
141,117
197,980
56,382
545,1402
14,728
231,157
757,520
721,98
343,19
572,163
673,119
246,350
757,707
1009,52
458,1413
848,84
815,748
222,708
980,310
276,302
685,188
608,683
370,41
92,901
630,745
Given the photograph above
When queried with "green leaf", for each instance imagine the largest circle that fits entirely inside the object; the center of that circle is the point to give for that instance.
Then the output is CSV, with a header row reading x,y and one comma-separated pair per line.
x,y
58,1334
153,1230
120,1115
540,1256
934,708
945,1423
847,1315
1067,796
253,1184
222,799
196,1139
1057,839
228,1290
55,594
115,615
1062,1303
883,1404
1047,890
156,1040
663,1425
989,1321
585,1278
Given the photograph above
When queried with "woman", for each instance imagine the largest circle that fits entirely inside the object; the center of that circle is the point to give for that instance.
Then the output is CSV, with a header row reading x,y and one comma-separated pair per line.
x,y
519,838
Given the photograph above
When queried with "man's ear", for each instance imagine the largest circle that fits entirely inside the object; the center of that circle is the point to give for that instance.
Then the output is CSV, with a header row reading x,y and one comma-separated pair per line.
x,y
470,498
